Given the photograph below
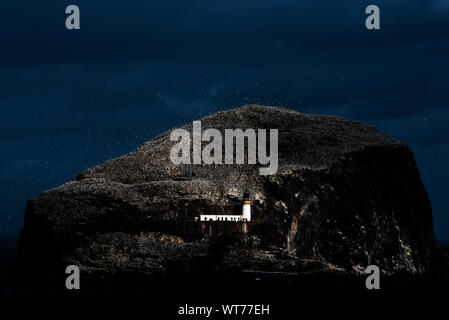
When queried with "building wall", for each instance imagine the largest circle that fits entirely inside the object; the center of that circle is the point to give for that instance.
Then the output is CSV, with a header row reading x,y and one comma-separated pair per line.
x,y
214,217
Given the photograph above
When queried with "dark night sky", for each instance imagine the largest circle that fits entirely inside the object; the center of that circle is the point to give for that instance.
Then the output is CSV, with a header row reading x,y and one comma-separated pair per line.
x,y
72,99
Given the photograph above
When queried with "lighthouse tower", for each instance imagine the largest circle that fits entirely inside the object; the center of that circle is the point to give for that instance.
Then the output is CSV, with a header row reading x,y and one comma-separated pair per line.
x,y
246,209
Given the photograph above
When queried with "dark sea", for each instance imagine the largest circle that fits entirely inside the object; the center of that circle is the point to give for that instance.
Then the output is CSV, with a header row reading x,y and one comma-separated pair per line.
x,y
8,250
167,295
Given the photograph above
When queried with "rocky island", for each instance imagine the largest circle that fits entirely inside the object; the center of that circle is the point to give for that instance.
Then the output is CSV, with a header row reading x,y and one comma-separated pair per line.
x,y
344,196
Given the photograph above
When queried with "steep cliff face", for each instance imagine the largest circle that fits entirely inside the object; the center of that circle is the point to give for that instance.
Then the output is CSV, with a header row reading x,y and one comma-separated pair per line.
x,y
344,196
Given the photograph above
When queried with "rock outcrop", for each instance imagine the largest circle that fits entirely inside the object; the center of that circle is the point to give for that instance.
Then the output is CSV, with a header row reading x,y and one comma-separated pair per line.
x,y
344,196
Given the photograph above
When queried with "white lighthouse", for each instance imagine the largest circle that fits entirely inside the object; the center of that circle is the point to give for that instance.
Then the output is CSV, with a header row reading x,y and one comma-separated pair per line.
x,y
246,209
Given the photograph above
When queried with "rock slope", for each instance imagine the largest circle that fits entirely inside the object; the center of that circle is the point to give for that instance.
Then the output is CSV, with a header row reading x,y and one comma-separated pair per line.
x,y
345,196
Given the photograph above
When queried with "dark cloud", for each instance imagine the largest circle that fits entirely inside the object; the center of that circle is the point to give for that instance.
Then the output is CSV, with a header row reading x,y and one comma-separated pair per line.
x,y
72,99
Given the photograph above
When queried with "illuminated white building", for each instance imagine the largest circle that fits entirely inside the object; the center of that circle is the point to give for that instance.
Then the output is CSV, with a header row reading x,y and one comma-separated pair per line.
x,y
245,216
